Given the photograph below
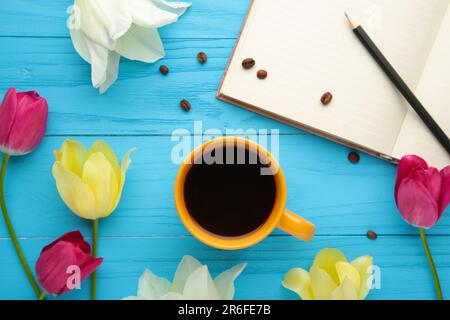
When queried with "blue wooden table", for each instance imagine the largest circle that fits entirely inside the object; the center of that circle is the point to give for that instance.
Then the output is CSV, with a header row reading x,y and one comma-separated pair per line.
x,y
142,109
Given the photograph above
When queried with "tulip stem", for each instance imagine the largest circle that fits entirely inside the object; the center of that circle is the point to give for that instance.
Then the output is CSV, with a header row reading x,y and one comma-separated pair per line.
x,y
12,234
42,295
94,254
432,265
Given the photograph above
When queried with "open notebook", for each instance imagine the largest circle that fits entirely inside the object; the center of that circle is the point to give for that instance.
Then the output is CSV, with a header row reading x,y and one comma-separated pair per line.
x,y
308,48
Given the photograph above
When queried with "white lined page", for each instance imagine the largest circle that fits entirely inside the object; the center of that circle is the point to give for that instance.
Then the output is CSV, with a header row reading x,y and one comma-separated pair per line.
x,y
308,49
433,91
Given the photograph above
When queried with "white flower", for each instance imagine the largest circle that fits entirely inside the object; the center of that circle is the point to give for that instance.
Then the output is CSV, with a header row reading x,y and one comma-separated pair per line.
x,y
108,29
192,281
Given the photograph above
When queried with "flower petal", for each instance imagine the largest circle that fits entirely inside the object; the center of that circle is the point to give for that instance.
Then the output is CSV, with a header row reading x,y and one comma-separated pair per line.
x,y
126,161
51,267
346,291
7,115
75,194
112,71
152,287
322,284
326,260
364,266
431,180
299,281
74,237
99,65
416,204
406,166
104,21
155,14
88,265
99,175
200,286
102,147
225,281
30,123
346,270
176,7
94,53
172,296
89,22
104,63
142,44
72,156
81,44
186,267
445,190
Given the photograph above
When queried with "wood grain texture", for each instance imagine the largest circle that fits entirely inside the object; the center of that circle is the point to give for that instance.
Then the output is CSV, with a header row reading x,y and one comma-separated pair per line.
x,y
205,19
141,102
404,270
339,197
142,110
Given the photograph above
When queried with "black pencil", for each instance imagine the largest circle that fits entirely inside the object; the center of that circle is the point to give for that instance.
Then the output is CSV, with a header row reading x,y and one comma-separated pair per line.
x,y
399,83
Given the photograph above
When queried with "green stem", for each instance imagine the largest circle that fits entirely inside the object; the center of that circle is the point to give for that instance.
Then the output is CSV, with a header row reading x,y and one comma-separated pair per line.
x,y
42,295
12,234
432,265
94,254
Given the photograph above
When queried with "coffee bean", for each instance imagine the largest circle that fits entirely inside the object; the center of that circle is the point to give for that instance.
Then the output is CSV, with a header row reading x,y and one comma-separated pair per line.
x,y
261,74
353,157
185,105
202,58
248,63
164,70
372,235
326,98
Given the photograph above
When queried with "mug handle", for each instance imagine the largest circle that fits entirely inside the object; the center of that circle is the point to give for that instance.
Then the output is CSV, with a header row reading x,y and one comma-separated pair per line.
x,y
296,226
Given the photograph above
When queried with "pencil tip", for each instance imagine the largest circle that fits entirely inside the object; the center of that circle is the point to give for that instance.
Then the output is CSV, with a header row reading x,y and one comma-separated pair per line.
x,y
352,23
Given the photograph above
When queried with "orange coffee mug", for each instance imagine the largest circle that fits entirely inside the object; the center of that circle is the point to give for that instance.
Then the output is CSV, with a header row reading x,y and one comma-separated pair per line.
x,y
279,217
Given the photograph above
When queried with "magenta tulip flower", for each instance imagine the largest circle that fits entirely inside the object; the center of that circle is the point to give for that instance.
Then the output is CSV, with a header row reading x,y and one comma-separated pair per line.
x,y
23,121
60,261
422,194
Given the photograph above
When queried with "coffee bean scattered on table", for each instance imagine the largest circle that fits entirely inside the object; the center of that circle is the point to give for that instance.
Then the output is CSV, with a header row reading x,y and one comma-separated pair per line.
x,y
353,157
164,69
202,57
185,105
261,74
248,63
326,99
372,235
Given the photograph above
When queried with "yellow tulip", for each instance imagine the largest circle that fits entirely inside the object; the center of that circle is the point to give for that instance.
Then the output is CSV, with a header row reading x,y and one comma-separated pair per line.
x,y
331,277
90,182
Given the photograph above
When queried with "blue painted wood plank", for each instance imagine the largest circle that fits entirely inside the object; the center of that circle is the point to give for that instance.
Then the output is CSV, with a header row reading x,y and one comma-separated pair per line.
x,y
142,101
403,265
343,200
205,19
339,197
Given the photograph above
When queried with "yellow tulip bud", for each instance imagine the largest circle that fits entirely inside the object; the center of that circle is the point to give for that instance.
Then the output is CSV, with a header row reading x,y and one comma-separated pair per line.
x,y
331,277
90,182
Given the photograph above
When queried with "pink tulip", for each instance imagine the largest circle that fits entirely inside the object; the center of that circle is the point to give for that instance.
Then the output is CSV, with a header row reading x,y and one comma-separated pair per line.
x,y
23,121
422,193
59,261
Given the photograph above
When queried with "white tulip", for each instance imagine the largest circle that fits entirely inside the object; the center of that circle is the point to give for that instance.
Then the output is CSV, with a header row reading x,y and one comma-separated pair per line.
x,y
108,29
192,281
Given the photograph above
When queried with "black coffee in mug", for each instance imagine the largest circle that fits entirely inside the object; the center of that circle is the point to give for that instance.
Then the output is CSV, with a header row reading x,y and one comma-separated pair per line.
x,y
232,198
